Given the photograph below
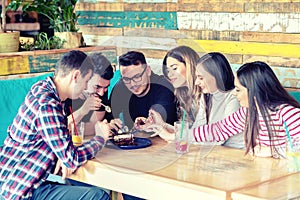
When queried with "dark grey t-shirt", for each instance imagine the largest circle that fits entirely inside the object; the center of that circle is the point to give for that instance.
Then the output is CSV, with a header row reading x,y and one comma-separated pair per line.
x,y
160,97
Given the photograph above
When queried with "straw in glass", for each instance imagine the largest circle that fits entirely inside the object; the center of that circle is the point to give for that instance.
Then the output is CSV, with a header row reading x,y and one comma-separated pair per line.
x,y
121,116
182,123
291,144
74,123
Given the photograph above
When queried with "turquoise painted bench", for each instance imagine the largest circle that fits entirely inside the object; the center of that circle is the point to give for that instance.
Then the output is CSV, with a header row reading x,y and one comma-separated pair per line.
x,y
13,92
296,95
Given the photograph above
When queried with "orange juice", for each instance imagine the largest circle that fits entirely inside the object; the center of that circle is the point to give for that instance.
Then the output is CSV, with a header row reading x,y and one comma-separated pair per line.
x,y
77,140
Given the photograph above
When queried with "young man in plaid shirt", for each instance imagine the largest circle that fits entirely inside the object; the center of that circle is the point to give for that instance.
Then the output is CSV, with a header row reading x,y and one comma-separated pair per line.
x,y
38,141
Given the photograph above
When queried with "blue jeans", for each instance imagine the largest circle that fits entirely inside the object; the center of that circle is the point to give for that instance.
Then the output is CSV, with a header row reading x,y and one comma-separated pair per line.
x,y
56,191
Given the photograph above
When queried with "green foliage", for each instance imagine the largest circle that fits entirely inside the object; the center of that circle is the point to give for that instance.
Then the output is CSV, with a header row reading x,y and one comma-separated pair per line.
x,y
60,13
42,42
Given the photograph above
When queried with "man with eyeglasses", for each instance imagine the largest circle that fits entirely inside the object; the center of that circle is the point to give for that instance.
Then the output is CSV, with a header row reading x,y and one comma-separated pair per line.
x,y
140,90
90,106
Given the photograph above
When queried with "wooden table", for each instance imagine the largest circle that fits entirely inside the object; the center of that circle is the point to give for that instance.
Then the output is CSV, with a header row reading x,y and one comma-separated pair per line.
x,y
287,187
157,172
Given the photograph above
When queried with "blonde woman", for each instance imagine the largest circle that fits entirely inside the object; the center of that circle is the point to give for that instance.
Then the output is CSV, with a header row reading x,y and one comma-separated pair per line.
x,y
178,67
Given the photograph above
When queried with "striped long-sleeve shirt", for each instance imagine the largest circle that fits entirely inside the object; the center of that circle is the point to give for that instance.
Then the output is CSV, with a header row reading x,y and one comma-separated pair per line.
x,y
38,136
235,123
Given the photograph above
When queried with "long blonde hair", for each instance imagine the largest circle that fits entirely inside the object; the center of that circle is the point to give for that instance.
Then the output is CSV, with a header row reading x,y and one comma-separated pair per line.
x,y
188,97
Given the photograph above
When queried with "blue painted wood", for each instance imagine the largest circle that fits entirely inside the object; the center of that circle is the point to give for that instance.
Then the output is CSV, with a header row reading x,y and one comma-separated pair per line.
x,y
12,94
166,20
46,62
296,95
43,63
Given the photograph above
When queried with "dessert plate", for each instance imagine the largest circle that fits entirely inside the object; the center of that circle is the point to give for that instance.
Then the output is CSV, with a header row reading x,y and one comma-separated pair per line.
x,y
137,144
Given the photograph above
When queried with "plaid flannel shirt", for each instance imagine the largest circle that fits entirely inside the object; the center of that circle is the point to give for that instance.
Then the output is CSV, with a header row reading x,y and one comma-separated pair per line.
x,y
38,136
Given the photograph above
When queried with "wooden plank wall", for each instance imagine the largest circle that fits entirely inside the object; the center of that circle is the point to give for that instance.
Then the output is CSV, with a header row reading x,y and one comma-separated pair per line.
x,y
244,30
43,61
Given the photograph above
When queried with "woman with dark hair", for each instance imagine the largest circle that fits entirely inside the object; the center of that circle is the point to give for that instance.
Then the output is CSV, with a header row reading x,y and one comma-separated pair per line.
x,y
215,78
212,76
267,113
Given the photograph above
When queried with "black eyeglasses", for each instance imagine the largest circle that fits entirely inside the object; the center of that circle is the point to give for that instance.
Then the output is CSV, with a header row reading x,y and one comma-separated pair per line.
x,y
136,78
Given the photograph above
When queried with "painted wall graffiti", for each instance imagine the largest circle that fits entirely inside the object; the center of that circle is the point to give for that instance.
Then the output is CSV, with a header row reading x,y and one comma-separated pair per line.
x,y
166,20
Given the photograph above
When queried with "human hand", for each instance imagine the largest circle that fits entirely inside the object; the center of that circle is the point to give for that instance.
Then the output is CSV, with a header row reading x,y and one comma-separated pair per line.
x,y
92,102
64,170
103,129
156,117
141,123
161,132
116,124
